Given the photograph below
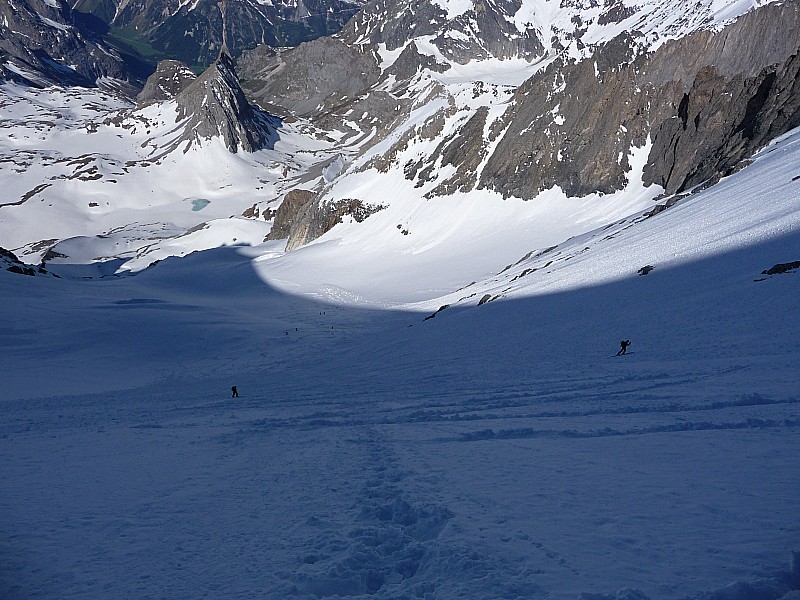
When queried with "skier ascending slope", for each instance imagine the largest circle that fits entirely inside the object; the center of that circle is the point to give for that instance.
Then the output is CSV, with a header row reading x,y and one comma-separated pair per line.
x,y
623,347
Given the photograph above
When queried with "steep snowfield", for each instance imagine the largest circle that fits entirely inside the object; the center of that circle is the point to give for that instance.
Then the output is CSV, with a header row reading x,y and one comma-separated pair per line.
x,y
494,451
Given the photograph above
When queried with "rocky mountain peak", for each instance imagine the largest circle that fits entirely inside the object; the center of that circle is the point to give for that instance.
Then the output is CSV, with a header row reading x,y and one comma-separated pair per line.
x,y
214,105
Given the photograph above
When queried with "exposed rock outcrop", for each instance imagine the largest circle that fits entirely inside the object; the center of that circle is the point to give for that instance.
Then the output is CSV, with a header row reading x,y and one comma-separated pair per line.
x,y
287,212
315,218
781,268
10,262
465,150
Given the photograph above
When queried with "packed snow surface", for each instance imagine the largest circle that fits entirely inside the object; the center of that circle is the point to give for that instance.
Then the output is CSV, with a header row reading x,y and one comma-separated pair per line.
x,y
493,451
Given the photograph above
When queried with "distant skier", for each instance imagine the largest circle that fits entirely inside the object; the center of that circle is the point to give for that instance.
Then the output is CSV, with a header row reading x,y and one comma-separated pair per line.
x,y
623,346
234,392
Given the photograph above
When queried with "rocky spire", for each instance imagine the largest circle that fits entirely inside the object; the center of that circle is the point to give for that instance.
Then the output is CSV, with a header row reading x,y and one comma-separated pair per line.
x,y
215,106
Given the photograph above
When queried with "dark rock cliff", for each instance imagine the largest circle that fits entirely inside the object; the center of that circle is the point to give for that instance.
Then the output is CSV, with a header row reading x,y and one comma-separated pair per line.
x,y
195,32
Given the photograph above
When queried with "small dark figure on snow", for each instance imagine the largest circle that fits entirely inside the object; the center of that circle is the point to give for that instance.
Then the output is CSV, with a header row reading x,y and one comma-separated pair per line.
x,y
623,346
234,392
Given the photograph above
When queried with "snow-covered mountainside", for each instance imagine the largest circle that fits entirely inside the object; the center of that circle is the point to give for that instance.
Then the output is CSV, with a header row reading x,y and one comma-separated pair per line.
x,y
414,259
403,129
697,92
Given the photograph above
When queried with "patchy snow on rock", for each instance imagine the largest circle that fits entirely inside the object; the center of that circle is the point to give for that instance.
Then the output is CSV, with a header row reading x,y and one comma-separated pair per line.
x,y
454,8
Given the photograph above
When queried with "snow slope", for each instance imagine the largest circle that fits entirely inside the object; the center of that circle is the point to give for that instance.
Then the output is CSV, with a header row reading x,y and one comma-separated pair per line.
x,y
418,249
494,451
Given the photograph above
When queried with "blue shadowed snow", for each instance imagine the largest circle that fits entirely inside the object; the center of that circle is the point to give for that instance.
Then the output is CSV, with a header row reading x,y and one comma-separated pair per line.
x,y
500,451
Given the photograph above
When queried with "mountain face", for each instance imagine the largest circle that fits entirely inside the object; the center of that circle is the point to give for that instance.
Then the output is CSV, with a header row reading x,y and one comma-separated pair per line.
x,y
210,106
41,43
704,103
194,32
89,178
460,32
566,96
